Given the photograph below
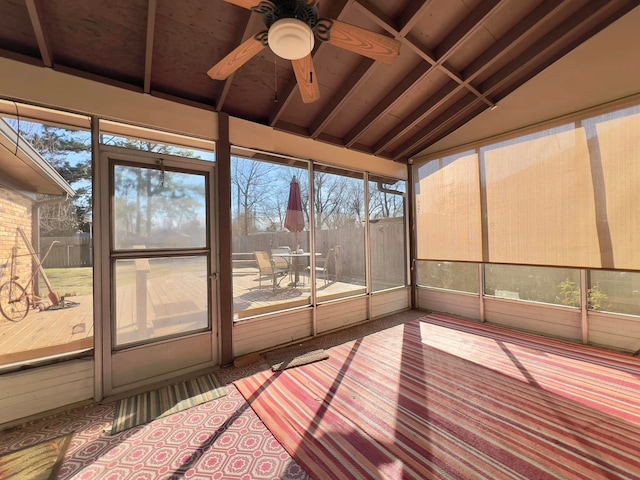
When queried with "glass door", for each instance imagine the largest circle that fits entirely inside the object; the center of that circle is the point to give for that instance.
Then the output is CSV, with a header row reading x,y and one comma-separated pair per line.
x,y
161,269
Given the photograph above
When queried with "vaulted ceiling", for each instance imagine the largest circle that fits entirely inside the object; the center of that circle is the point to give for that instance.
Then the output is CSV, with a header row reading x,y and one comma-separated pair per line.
x,y
457,58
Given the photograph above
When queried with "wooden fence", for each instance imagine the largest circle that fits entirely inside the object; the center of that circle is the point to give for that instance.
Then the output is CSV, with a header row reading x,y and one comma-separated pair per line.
x,y
69,252
387,248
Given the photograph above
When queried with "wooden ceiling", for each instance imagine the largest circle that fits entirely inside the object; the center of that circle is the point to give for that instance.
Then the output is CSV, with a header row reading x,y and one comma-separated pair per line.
x,y
457,58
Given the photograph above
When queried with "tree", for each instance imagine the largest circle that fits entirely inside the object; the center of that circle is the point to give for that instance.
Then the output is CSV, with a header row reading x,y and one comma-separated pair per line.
x,y
251,181
385,202
146,183
327,200
69,152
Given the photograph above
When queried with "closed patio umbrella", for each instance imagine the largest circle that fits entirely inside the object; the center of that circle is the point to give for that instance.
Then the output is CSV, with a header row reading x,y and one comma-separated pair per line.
x,y
294,220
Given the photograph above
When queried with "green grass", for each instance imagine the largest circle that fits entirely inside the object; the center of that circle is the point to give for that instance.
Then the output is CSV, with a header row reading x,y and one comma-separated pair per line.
x,y
70,281
79,281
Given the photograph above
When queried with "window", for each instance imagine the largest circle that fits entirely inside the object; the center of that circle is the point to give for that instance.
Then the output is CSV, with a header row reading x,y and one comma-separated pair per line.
x,y
339,213
448,209
46,200
562,195
617,292
160,222
559,286
268,272
539,200
387,233
156,208
148,140
148,284
457,276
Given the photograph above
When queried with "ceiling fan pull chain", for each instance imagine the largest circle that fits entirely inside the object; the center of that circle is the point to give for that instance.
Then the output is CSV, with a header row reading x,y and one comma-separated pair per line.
x,y
311,50
275,79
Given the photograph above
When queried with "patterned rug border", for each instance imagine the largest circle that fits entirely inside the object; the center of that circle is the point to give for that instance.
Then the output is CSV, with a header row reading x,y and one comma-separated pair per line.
x,y
28,466
143,408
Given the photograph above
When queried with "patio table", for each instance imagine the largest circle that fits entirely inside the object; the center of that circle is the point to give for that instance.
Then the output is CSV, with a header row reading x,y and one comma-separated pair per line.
x,y
294,262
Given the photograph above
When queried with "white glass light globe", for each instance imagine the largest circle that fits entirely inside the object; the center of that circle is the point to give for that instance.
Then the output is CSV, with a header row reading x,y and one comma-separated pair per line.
x,y
290,38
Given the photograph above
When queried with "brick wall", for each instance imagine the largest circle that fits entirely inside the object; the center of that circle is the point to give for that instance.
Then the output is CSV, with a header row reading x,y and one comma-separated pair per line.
x,y
15,211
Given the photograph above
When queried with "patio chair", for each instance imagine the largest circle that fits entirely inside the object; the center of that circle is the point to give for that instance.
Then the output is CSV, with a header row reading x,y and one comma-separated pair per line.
x,y
267,266
282,262
322,265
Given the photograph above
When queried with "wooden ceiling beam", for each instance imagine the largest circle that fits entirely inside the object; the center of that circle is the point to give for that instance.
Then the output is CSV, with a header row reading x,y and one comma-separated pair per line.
x,y
443,67
520,32
411,14
467,28
543,53
148,52
378,17
554,39
363,71
250,29
515,36
38,30
463,31
390,100
432,104
454,41
410,17
366,67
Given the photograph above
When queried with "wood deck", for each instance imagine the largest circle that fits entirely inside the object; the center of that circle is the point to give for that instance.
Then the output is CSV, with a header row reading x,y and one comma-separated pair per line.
x,y
48,332
62,330
253,295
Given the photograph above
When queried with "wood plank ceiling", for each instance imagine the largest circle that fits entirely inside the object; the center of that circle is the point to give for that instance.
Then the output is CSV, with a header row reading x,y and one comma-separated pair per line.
x,y
457,58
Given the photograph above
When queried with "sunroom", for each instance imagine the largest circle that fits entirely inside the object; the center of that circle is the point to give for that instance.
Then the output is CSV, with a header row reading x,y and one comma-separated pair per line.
x,y
488,172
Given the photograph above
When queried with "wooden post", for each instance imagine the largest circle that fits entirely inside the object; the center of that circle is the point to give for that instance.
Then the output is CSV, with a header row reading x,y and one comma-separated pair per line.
x,y
142,272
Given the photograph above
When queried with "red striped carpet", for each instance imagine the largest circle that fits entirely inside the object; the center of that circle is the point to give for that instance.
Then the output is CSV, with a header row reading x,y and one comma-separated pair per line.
x,y
442,398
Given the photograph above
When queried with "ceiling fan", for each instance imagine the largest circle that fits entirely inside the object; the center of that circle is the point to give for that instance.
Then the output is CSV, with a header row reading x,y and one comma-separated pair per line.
x,y
292,27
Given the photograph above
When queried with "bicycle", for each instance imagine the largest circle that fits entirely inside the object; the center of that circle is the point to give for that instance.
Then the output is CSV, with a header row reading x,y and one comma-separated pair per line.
x,y
15,299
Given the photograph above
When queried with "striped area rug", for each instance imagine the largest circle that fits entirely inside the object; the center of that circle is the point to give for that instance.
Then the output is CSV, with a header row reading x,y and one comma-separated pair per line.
x,y
443,398
145,407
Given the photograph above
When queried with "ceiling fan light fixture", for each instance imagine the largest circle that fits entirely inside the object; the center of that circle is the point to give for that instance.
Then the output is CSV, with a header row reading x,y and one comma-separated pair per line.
x,y
291,39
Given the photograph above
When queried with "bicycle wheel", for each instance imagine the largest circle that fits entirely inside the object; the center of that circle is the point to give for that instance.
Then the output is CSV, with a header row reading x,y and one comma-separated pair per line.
x,y
14,302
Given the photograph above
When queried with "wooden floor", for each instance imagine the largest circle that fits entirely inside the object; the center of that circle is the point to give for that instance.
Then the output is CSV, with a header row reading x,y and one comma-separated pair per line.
x,y
61,330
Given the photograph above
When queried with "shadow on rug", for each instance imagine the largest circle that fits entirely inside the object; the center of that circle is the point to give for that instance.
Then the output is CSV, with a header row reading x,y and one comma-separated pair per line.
x,y
145,407
38,462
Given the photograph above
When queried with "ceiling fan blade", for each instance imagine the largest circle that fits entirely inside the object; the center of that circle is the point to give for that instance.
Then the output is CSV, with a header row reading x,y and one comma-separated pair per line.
x,y
307,80
236,59
248,4
358,40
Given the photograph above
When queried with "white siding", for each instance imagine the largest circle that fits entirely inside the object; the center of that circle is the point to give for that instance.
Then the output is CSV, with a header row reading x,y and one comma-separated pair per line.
x,y
462,304
386,303
614,331
559,322
268,331
32,392
341,313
